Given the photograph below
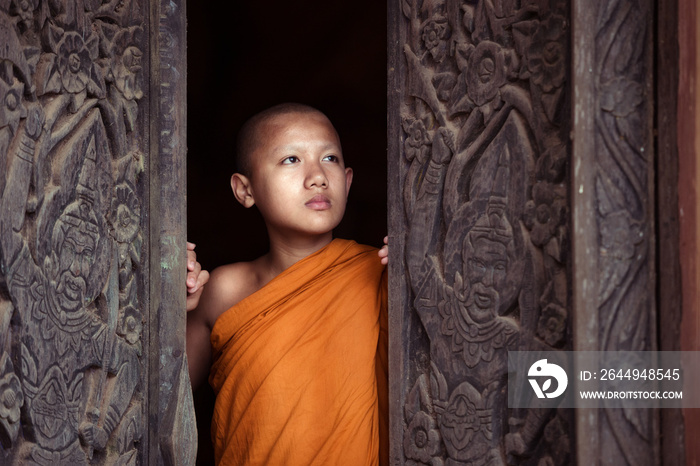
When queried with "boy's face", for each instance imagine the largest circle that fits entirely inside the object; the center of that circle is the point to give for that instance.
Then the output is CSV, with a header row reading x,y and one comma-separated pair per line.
x,y
298,178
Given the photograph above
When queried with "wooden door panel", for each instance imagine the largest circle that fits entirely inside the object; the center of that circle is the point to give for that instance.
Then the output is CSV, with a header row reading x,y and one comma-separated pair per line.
x,y
506,236
89,232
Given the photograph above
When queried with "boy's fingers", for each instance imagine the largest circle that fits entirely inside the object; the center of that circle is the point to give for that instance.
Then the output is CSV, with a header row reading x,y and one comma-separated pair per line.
x,y
190,246
202,279
192,275
191,259
384,252
196,280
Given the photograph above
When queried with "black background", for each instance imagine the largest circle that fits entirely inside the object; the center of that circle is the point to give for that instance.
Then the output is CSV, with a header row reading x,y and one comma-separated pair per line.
x,y
244,56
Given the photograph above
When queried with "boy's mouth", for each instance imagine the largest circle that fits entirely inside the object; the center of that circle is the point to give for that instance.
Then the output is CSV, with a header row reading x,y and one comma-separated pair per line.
x,y
318,202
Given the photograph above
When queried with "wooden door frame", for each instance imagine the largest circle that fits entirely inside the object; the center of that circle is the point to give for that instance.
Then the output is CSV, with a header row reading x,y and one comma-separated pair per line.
x,y
688,177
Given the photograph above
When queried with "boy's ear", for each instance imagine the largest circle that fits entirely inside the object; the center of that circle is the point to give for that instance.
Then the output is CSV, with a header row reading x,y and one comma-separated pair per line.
x,y
240,185
348,180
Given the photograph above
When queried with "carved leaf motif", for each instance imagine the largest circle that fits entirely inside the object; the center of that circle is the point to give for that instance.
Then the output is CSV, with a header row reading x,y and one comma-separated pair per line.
x,y
444,83
130,432
624,200
406,8
438,384
621,96
76,387
639,419
128,459
552,104
413,403
420,85
629,129
29,372
619,235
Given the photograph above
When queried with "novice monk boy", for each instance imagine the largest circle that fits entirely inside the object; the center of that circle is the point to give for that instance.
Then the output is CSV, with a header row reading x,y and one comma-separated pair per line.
x,y
296,339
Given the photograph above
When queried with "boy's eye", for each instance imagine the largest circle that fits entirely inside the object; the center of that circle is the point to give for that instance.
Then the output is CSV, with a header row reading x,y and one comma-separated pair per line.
x,y
332,158
291,159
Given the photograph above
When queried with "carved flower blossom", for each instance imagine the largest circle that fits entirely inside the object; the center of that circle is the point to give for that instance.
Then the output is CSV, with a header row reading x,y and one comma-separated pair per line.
x,y
552,324
416,144
70,66
125,214
11,398
422,439
546,54
132,326
545,213
74,63
486,72
435,31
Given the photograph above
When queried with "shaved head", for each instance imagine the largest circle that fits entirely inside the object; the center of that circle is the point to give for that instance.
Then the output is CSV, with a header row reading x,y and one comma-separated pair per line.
x,y
252,133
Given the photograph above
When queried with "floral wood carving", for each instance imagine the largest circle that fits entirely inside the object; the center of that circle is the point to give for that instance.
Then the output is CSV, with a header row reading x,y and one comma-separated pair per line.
x,y
485,196
625,208
71,231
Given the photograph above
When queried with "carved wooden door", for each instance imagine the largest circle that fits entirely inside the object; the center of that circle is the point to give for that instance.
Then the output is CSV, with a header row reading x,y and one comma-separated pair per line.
x,y
521,144
92,229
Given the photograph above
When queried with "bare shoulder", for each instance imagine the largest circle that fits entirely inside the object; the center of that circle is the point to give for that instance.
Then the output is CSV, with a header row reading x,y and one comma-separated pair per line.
x,y
227,285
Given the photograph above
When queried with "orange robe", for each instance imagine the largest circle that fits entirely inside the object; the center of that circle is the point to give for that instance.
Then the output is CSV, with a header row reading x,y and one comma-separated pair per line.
x,y
300,365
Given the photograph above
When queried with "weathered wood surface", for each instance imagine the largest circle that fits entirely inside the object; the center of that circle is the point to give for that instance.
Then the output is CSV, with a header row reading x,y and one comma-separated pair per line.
x,y
614,272
482,93
81,366
493,195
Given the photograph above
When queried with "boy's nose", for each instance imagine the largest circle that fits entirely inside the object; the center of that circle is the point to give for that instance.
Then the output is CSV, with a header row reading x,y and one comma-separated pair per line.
x,y
316,177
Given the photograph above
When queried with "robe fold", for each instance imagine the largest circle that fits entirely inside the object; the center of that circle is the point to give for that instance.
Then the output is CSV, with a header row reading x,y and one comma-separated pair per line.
x,y
299,366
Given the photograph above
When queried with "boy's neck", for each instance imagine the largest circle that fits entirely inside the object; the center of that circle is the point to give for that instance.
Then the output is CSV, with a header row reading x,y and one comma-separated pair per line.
x,y
285,251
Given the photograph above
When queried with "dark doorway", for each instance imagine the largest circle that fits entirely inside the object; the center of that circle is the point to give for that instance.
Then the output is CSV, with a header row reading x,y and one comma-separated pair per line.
x,y
246,56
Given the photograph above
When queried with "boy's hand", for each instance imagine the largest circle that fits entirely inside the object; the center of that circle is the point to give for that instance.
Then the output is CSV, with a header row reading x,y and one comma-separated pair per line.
x,y
196,278
384,252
